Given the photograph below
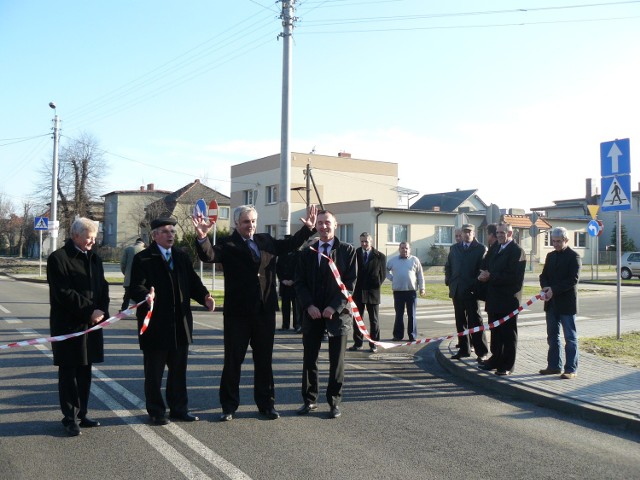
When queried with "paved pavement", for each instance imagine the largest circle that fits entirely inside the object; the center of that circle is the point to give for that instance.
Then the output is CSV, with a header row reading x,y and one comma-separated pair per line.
x,y
604,391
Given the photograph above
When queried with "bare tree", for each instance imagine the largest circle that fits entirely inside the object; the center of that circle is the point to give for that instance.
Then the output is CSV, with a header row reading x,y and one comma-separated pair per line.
x,y
80,173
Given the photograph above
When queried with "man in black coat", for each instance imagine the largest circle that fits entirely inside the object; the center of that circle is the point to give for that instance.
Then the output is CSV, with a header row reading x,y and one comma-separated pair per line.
x,y
504,277
325,309
166,274
285,267
372,270
559,282
460,275
250,302
79,298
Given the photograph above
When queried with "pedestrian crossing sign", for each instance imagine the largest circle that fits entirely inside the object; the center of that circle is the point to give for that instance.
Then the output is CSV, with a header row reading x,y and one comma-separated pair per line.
x,y
41,223
616,193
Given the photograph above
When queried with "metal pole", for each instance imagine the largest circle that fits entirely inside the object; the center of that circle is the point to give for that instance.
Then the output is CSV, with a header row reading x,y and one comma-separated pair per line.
x,y
285,129
619,263
54,185
40,256
213,265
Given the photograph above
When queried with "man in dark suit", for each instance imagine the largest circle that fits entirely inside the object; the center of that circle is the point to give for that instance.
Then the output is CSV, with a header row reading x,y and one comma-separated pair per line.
x,y
325,309
559,282
79,298
166,274
460,275
372,270
250,302
504,277
285,268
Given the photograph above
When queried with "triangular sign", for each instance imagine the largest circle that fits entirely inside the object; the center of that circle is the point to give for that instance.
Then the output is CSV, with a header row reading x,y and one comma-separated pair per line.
x,y
593,210
615,195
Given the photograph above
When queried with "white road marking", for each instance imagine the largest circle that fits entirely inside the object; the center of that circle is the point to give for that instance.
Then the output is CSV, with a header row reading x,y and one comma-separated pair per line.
x,y
4,309
12,320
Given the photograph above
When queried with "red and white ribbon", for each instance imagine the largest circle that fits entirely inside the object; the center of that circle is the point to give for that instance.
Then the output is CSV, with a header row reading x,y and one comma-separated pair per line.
x,y
363,329
105,323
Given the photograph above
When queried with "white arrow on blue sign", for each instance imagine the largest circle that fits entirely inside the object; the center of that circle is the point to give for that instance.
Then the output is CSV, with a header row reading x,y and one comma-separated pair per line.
x,y
200,208
615,158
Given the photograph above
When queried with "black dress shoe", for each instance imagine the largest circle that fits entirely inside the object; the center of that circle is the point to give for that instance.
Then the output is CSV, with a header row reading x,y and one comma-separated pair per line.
x,y
226,417
73,429
307,408
460,355
270,413
335,412
159,420
86,422
373,349
503,372
184,417
353,348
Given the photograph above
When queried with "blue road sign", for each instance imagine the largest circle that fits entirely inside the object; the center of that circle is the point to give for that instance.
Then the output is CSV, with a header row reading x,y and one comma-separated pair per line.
x,y
593,228
616,193
41,223
200,208
615,158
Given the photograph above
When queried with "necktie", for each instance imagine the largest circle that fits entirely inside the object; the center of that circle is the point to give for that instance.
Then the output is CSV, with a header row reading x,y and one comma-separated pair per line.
x,y
255,252
169,259
466,246
325,251
366,257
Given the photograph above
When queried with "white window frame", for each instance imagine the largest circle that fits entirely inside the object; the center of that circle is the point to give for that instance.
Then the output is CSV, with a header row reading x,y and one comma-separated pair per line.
x,y
271,194
397,233
580,239
345,233
223,213
249,196
271,230
444,235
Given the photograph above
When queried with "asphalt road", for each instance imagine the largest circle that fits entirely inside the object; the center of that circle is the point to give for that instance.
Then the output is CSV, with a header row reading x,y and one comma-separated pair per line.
x,y
403,416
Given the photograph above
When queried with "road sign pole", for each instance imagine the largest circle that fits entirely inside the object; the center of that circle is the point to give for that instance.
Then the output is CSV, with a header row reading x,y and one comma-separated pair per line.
x,y
619,263
40,255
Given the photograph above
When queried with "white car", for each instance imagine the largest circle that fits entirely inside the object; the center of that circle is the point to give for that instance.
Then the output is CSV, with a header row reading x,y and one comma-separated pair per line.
x,y
630,265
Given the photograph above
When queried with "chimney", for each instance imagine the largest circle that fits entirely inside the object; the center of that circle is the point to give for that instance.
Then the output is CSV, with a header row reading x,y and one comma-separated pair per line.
x,y
589,190
142,188
151,186
344,154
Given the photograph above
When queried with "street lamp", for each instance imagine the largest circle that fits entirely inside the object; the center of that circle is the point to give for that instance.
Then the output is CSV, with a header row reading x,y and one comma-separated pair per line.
x,y
53,232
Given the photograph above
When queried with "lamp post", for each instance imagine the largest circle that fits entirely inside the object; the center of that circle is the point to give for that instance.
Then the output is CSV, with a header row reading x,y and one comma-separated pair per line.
x,y
54,181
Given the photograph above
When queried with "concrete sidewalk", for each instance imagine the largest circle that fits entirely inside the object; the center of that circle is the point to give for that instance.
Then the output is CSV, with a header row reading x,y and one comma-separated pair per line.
x,y
604,391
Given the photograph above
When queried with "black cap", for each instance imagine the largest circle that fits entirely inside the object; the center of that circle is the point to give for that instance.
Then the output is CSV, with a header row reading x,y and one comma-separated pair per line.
x,y
161,222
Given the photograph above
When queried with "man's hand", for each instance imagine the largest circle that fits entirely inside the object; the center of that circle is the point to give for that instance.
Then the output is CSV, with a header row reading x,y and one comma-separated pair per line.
x,y
288,283
328,312
96,317
150,296
312,215
548,293
422,292
210,303
484,275
314,312
201,225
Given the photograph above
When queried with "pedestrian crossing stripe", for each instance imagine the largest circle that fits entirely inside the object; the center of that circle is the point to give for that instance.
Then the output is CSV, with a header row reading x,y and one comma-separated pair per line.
x,y
615,195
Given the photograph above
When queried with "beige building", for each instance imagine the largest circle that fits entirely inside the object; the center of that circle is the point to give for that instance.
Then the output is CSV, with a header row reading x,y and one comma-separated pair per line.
x,y
365,196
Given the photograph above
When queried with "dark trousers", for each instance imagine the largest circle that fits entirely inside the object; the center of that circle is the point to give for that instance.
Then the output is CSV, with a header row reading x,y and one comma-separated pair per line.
x,y
312,341
176,391
504,342
467,314
288,306
240,332
405,299
125,299
374,323
74,384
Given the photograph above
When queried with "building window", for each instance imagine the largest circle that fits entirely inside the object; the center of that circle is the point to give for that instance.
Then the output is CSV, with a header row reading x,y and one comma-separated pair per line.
x,y
444,235
547,239
249,197
271,230
580,239
223,213
345,233
397,233
272,194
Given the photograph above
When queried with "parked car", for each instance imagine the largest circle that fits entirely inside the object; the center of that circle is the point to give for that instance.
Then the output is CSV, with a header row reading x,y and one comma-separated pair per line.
x,y
630,265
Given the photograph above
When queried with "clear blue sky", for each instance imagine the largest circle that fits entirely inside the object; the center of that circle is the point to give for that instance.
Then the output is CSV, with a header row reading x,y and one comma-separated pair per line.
x,y
510,97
